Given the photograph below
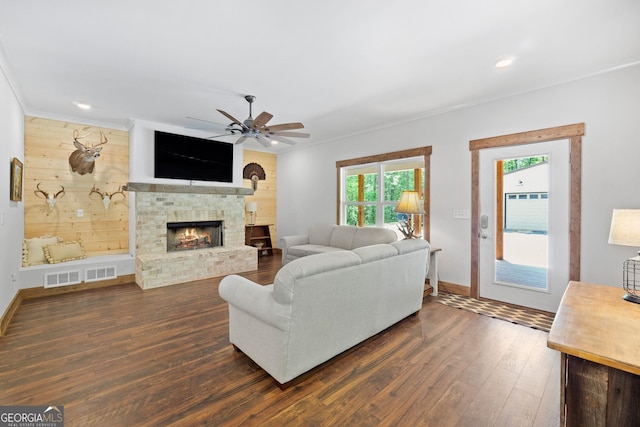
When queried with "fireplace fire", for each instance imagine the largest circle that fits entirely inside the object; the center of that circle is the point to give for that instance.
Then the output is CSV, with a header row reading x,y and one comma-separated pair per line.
x,y
186,236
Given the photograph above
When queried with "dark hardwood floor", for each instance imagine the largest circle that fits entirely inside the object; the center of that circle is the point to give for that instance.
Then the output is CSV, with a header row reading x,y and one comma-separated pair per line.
x,y
121,356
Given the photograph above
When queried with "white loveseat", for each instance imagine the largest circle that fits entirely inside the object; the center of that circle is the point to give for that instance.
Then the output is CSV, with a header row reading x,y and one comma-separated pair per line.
x,y
322,238
322,305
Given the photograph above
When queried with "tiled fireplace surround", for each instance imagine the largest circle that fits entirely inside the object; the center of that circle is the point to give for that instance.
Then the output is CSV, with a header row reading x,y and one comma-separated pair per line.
x,y
156,205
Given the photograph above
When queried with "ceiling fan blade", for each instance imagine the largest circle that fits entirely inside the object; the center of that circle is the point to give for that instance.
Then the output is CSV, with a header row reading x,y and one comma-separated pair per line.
x,y
283,126
264,141
241,139
233,119
279,138
291,134
261,120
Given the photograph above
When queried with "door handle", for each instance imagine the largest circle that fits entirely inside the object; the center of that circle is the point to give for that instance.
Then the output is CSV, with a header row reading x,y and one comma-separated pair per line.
x,y
484,224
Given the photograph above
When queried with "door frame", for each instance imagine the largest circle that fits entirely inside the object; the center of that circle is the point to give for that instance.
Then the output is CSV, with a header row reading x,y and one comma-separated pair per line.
x,y
573,133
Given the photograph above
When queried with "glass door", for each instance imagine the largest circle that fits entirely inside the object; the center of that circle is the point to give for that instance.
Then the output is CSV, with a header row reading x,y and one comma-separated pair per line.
x,y
524,224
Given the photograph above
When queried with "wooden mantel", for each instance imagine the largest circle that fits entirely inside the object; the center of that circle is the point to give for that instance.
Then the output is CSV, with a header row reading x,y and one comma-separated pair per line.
x,y
192,189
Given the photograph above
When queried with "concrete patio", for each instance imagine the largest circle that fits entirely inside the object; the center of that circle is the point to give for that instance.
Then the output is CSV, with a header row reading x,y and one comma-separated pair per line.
x,y
525,260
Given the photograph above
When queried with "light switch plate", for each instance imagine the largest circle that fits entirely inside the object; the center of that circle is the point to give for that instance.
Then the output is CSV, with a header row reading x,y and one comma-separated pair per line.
x,y
461,214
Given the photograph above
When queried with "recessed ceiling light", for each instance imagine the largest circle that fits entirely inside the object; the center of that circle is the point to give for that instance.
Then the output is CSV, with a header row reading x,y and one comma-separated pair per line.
x,y
82,105
504,63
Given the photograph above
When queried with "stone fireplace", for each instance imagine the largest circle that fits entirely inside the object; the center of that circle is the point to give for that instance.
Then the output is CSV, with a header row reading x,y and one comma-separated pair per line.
x,y
158,207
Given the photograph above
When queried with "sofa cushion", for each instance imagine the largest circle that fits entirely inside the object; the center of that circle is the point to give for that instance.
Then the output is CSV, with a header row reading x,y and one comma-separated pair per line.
x,y
375,252
409,245
304,250
286,277
366,236
320,234
342,236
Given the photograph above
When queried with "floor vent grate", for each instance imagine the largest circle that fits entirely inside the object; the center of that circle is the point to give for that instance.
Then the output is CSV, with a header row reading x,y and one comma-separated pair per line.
x,y
100,273
61,278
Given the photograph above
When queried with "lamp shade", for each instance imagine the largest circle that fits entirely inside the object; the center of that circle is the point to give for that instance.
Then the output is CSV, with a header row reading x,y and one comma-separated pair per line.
x,y
252,206
625,227
409,203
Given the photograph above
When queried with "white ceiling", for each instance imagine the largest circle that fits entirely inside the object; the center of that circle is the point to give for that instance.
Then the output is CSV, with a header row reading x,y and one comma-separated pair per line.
x,y
339,66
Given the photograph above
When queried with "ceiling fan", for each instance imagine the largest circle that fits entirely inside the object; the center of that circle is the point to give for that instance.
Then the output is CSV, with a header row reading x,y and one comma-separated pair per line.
x,y
257,128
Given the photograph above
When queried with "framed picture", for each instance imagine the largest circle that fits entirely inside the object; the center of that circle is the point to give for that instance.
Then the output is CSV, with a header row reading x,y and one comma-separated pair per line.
x,y
16,180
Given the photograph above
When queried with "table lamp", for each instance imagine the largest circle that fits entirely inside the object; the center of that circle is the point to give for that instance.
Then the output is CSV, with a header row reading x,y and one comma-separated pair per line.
x,y
625,230
409,204
252,208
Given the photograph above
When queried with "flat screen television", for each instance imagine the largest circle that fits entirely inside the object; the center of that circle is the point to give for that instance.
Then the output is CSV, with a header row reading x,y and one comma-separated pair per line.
x,y
186,157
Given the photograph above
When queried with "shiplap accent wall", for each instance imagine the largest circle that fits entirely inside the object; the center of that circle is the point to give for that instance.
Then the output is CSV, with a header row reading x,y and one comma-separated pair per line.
x,y
265,195
48,144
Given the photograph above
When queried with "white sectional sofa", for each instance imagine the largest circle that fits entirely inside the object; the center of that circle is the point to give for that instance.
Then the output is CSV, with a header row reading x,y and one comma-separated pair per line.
x,y
322,238
320,306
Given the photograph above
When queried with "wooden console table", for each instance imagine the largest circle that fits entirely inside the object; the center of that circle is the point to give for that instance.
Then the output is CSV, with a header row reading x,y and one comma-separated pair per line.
x,y
598,335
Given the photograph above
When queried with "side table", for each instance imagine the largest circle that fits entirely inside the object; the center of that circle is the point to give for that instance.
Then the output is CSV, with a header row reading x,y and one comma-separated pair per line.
x,y
432,273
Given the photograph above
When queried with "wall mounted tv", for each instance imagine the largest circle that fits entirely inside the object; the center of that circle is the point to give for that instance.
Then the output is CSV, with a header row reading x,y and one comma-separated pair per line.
x,y
186,157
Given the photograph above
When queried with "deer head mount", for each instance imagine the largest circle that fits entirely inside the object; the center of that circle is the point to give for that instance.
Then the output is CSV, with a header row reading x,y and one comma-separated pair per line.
x,y
49,197
83,159
106,197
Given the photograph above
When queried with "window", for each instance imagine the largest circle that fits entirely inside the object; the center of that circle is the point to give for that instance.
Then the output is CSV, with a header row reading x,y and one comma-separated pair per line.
x,y
369,200
369,188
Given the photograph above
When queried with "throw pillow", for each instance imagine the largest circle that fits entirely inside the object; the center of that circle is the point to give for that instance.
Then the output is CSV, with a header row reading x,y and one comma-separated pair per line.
x,y
63,252
33,249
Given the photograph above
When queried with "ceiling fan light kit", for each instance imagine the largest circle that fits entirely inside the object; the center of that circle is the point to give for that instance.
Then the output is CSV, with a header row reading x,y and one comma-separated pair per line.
x,y
257,128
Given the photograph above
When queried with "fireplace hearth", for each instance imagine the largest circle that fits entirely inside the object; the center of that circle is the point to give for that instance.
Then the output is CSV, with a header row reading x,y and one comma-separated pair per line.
x,y
193,235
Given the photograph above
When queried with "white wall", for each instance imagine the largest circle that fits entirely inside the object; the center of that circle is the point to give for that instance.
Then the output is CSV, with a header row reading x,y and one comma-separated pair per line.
x,y
608,104
11,213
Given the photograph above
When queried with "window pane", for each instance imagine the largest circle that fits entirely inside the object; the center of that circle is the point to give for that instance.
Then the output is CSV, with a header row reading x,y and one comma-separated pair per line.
x,y
395,182
352,215
391,217
352,188
371,187
370,216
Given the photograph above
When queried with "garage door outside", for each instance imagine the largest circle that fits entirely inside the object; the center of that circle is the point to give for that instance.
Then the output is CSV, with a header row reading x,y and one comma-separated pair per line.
x,y
526,212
